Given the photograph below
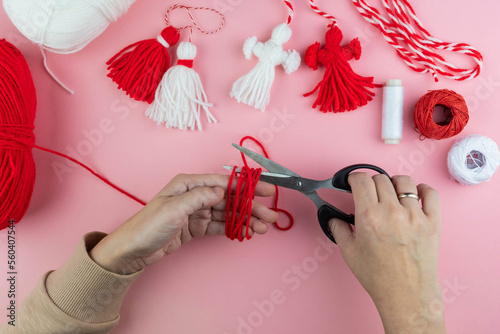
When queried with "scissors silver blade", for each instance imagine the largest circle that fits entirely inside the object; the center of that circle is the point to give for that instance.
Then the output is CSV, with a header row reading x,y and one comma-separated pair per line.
x,y
305,186
270,165
277,169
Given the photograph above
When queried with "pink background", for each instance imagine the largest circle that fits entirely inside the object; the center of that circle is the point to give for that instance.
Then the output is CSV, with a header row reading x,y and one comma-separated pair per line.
x,y
212,283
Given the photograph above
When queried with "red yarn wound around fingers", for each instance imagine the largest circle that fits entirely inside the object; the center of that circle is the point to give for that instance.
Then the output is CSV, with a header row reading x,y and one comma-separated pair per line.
x,y
239,208
239,204
17,115
424,110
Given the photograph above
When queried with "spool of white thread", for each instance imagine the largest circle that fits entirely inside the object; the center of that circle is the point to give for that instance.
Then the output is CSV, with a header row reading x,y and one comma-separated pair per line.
x,y
392,112
64,26
473,159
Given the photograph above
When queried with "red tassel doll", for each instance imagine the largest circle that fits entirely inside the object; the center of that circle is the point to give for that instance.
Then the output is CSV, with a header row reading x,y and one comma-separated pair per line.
x,y
341,89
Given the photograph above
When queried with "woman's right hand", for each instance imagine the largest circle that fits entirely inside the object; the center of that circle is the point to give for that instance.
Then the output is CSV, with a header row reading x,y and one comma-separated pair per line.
x,y
393,251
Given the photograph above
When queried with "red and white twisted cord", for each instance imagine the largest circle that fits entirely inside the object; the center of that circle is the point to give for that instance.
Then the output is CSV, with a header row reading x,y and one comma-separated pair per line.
x,y
290,11
322,13
414,44
193,21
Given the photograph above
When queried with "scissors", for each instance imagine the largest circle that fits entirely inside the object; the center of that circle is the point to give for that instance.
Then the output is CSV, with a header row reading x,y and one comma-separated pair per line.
x,y
283,177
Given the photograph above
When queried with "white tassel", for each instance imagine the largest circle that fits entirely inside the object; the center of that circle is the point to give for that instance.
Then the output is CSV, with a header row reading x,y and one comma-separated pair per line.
x,y
254,88
180,95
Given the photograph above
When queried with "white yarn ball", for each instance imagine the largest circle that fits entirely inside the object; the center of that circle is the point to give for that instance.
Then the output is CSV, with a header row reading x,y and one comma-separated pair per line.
x,y
473,159
281,33
186,51
64,26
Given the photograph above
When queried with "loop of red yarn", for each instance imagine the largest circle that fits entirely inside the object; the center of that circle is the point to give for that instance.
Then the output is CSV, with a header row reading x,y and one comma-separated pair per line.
x,y
17,114
238,209
424,110
138,68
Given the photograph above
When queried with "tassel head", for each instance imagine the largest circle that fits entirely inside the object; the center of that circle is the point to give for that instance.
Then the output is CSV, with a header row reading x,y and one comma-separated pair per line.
x,y
186,51
281,34
170,35
333,36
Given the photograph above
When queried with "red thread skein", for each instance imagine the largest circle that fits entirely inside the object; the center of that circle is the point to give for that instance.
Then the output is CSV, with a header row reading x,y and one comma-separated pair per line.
x,y
424,110
17,116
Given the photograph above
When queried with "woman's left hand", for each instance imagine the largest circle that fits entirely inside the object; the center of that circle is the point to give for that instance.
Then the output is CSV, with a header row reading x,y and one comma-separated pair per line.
x,y
189,206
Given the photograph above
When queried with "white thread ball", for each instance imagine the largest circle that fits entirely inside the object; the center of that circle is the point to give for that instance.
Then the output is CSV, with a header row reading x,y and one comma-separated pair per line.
x,y
281,33
64,26
473,159
186,51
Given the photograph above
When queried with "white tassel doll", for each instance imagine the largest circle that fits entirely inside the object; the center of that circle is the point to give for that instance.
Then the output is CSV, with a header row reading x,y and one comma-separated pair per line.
x,y
254,88
180,95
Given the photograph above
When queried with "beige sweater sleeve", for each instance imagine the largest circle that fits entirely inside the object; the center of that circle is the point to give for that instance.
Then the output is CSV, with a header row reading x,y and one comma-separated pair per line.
x,y
79,297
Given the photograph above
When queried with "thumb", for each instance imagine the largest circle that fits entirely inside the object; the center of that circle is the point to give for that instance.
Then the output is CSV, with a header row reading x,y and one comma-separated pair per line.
x,y
342,232
199,197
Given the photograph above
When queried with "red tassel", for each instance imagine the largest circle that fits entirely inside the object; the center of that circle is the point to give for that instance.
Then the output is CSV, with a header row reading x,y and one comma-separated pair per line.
x,y
138,68
341,89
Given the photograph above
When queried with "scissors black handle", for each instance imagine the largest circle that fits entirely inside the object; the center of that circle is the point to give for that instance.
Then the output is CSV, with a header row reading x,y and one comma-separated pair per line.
x,y
327,212
339,180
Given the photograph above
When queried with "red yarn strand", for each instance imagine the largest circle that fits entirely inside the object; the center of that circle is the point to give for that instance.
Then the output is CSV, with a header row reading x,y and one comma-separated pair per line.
x,y
103,179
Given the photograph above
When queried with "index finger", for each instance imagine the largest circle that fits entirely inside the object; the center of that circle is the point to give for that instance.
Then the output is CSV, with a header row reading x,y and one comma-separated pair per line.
x,y
363,189
186,182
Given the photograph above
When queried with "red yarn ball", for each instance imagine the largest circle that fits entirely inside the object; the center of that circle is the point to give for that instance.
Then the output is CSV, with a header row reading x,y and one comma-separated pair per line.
x,y
424,110
17,116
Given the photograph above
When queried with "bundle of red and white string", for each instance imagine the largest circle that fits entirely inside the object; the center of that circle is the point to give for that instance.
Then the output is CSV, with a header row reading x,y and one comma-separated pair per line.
x,y
403,30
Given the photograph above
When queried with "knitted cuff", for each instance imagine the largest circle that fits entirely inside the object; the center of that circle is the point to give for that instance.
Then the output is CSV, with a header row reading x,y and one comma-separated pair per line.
x,y
86,291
